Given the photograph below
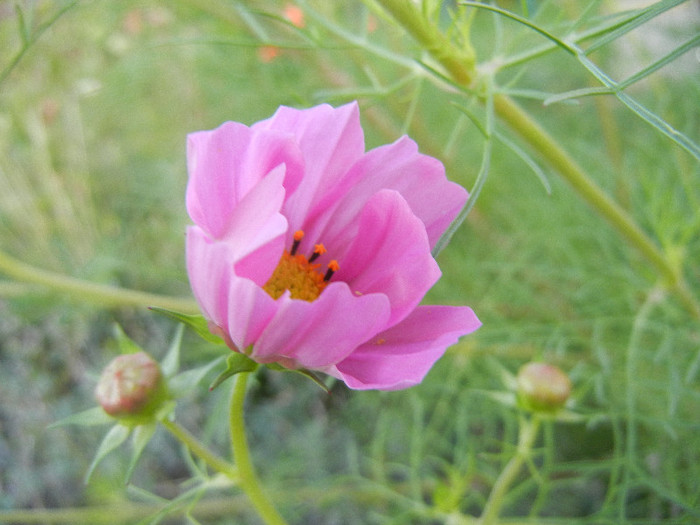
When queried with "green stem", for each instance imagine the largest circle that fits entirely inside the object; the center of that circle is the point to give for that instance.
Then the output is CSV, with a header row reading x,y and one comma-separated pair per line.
x,y
200,450
248,480
526,439
123,512
86,291
461,67
559,159
460,64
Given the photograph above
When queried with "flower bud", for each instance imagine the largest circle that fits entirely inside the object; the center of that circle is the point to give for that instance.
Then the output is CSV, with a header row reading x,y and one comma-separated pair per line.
x,y
131,386
543,387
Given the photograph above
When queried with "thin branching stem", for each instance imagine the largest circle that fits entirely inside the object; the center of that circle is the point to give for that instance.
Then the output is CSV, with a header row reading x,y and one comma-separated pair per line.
x,y
464,73
529,429
540,140
200,450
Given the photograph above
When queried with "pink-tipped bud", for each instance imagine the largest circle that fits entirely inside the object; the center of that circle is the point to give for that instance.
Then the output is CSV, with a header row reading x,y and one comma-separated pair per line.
x,y
130,386
543,387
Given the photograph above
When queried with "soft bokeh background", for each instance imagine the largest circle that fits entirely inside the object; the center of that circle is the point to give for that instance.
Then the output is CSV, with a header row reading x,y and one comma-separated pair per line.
x,y
95,102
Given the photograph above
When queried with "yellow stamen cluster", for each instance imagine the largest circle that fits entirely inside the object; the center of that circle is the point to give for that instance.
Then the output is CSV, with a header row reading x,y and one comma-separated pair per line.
x,y
296,274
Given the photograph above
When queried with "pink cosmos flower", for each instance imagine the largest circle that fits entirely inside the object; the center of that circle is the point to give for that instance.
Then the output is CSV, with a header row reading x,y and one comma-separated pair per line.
x,y
311,253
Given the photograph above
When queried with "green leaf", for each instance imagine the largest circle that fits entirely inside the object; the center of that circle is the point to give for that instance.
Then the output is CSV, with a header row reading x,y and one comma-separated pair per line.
x,y
445,238
196,322
642,112
139,439
564,45
303,371
90,417
235,364
115,437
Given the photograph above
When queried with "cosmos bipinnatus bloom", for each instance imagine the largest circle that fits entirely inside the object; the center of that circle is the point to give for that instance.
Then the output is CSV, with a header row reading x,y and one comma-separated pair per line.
x,y
308,252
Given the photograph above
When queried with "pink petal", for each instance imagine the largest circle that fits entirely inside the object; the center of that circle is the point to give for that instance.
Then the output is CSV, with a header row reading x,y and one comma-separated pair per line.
x,y
250,309
390,255
209,266
401,356
321,333
224,164
257,222
331,140
419,178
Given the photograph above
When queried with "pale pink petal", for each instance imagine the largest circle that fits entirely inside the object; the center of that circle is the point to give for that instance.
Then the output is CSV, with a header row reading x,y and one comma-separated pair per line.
x,y
209,265
390,255
331,140
399,166
401,356
250,309
319,334
256,221
224,164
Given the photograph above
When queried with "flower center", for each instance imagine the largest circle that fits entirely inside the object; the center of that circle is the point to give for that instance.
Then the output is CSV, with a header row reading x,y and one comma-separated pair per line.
x,y
298,274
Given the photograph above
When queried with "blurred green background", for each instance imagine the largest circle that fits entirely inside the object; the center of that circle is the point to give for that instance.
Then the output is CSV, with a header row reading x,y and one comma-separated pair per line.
x,y
96,99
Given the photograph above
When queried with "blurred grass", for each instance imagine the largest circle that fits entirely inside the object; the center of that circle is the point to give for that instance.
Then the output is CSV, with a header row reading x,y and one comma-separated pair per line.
x,y
93,119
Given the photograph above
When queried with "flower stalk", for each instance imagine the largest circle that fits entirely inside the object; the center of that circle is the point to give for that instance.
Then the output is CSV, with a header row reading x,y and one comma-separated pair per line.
x,y
241,471
463,72
248,478
528,430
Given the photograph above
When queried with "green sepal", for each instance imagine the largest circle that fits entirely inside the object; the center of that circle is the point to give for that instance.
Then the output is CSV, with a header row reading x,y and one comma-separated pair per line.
x,y
303,371
171,362
235,364
115,437
86,418
126,345
196,322
140,437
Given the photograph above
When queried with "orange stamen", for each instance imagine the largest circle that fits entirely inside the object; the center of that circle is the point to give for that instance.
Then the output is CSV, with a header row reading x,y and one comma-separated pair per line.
x,y
332,268
319,249
298,236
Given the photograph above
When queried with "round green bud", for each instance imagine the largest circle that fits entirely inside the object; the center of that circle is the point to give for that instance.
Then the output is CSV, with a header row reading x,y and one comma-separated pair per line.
x,y
131,387
543,387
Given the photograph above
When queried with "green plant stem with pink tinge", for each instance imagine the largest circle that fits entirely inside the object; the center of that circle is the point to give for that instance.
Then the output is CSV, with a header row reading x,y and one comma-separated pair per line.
x,y
460,65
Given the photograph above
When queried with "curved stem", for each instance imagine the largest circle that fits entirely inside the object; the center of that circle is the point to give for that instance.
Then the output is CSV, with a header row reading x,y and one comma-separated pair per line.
x,y
199,449
92,292
462,70
568,168
527,435
460,64
248,480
